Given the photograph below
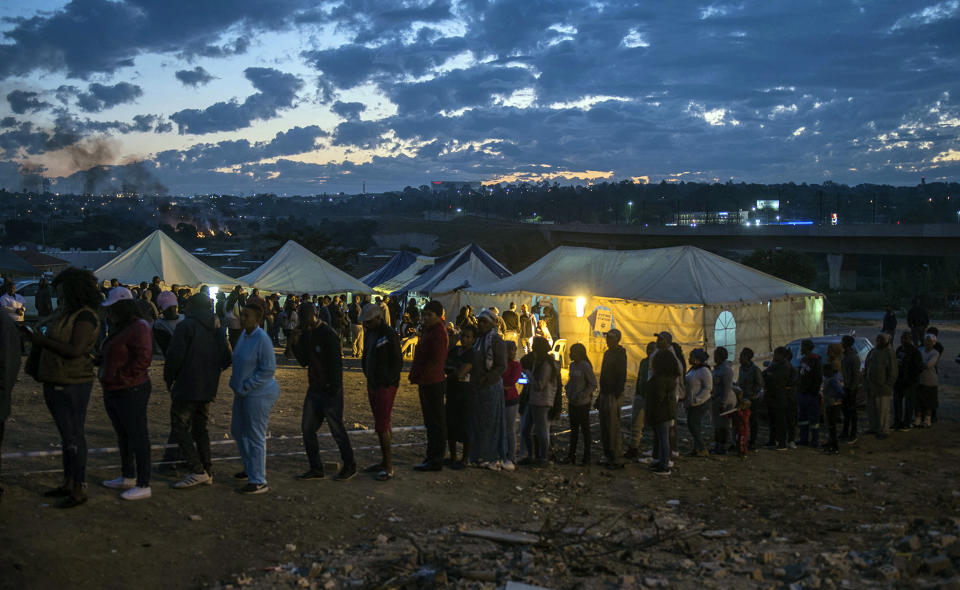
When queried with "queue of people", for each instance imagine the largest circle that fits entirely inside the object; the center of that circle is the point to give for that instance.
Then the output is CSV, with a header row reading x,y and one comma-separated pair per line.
x,y
488,400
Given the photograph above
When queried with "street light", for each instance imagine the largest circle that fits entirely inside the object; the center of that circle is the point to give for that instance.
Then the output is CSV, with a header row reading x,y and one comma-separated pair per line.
x,y
629,211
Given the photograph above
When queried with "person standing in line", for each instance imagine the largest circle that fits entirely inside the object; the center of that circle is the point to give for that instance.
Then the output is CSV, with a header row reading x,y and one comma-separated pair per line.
x,y
699,385
637,418
146,307
880,375
356,327
909,367
170,316
527,328
318,349
661,410
66,372
126,357
155,288
580,387
9,367
382,363
336,315
414,311
927,383
384,310
808,395
938,346
851,377
833,396
890,321
233,308
462,363
43,300
543,374
197,355
613,378
724,399
12,302
917,320
488,446
255,392
776,382
511,321
749,384
427,373
511,403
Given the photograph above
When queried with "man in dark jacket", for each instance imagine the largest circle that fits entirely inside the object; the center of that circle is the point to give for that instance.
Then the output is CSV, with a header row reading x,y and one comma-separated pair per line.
x,y
336,315
9,367
319,350
613,378
808,396
890,321
918,320
427,372
776,382
511,321
381,363
527,328
850,369
197,354
909,367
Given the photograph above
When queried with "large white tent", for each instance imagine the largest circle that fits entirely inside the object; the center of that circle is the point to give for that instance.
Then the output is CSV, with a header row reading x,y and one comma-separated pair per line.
x,y
294,269
158,255
703,299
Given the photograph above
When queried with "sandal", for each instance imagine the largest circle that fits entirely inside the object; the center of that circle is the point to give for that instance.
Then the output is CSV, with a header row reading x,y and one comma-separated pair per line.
x,y
385,475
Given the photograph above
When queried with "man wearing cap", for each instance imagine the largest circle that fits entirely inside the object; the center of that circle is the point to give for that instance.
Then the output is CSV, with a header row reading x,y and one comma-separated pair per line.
x,y
613,378
808,398
427,373
381,363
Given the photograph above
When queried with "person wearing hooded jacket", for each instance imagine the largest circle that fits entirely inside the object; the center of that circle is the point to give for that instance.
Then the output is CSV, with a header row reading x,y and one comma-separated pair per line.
x,y
777,379
880,374
199,351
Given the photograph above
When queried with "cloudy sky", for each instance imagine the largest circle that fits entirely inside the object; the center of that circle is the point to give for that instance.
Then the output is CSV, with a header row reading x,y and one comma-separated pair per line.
x,y
294,96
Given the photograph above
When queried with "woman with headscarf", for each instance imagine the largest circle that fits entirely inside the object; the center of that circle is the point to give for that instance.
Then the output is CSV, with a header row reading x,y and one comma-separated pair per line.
x,y
488,444
66,371
699,384
255,391
125,359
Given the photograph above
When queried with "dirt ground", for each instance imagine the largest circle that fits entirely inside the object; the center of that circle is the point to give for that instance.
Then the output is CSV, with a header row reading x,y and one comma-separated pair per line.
x,y
774,518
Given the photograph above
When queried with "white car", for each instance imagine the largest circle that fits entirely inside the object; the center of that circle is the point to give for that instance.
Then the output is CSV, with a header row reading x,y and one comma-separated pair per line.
x,y
28,290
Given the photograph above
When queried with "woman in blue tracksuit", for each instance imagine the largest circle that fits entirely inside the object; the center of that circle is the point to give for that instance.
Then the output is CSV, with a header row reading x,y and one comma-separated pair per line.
x,y
255,391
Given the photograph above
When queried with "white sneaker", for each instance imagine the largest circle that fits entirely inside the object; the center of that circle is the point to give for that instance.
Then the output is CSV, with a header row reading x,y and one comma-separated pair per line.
x,y
137,493
509,466
194,479
671,464
120,483
674,453
648,453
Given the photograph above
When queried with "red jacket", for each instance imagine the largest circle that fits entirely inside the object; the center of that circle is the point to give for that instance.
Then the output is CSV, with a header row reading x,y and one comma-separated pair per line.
x,y
513,372
126,357
430,356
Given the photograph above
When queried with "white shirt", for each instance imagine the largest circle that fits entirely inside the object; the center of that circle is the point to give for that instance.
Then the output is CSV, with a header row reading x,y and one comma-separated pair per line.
x,y
13,305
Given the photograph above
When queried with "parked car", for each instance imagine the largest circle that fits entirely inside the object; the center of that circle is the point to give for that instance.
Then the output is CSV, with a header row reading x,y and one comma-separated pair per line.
x,y
28,289
862,345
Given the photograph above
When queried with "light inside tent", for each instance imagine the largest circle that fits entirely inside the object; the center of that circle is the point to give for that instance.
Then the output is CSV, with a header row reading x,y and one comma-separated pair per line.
x,y
581,306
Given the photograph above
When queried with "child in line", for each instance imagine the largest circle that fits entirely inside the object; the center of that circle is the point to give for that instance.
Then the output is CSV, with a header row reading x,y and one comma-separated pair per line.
x,y
580,388
741,427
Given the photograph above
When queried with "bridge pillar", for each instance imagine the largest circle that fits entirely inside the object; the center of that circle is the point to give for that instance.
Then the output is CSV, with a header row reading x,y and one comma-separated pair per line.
x,y
834,265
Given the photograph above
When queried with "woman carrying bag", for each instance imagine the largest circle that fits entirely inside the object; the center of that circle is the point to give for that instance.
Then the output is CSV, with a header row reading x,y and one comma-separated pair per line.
x,y
64,365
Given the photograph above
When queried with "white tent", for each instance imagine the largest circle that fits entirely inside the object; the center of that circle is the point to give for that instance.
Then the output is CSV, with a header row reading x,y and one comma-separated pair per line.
x,y
158,255
703,299
294,269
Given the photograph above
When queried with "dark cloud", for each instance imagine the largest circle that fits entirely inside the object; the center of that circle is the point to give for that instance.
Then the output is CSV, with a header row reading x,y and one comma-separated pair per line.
x,y
239,46
476,86
348,110
195,77
277,91
352,64
372,21
22,101
99,97
362,134
229,153
101,36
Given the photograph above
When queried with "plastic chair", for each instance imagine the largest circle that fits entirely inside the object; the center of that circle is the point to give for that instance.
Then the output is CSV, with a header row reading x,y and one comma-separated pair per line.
x,y
559,347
